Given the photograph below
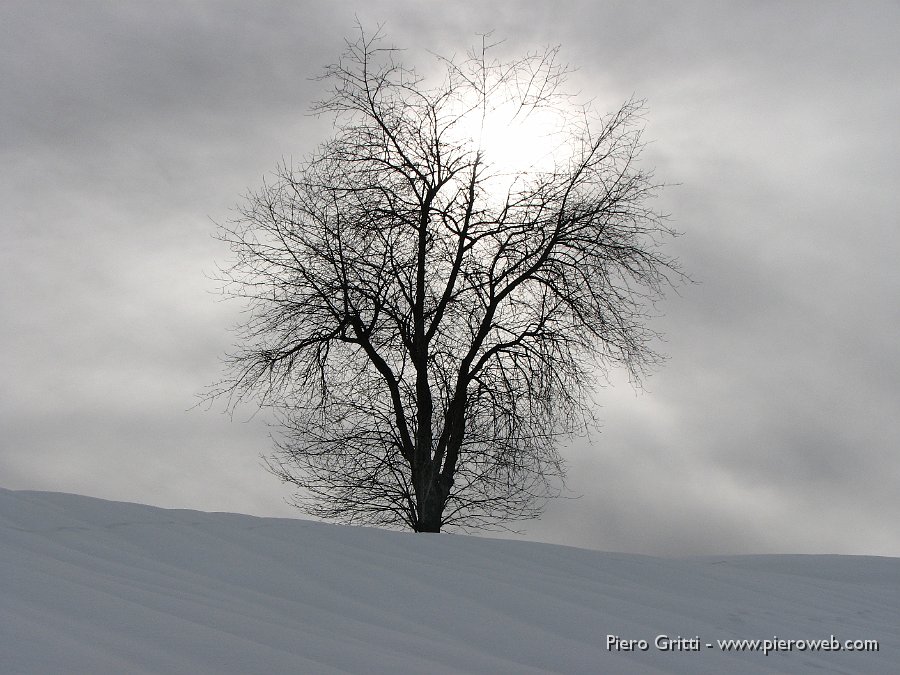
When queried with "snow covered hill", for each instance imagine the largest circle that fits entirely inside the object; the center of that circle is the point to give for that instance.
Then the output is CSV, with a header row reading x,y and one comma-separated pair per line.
x,y
91,586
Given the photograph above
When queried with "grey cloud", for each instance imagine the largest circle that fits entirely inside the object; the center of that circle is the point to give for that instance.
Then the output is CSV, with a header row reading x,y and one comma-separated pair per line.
x,y
124,128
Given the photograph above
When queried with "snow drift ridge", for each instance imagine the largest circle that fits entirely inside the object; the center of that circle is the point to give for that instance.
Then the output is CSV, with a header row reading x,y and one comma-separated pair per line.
x,y
91,586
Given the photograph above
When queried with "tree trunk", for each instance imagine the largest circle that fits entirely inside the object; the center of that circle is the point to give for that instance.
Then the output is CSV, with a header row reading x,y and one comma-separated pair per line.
x,y
431,503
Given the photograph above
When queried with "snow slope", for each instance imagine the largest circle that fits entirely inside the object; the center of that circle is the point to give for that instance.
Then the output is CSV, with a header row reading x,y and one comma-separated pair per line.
x,y
90,586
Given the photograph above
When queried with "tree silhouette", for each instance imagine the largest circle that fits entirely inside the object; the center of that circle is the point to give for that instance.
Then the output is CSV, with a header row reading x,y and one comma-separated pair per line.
x,y
426,310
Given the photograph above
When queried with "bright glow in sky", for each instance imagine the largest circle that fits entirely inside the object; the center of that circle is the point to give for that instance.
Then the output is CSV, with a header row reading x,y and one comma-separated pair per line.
x,y
514,140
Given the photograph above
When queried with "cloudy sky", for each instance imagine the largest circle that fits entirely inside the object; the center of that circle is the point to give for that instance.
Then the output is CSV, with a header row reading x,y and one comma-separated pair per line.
x,y
127,128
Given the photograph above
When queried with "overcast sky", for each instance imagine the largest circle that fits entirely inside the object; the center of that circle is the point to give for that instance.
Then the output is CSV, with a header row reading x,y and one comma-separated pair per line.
x,y
127,128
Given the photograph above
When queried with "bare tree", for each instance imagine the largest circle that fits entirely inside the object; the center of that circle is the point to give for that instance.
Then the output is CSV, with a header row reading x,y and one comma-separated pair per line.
x,y
426,319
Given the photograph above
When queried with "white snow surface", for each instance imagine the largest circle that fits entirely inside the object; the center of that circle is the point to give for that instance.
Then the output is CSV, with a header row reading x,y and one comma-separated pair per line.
x,y
92,586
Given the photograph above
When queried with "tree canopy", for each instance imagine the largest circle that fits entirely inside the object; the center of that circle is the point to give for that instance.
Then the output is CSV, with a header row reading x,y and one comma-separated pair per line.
x,y
428,306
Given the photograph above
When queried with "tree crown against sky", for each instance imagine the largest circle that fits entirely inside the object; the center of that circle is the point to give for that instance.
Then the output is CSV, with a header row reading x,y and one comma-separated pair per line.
x,y
432,294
